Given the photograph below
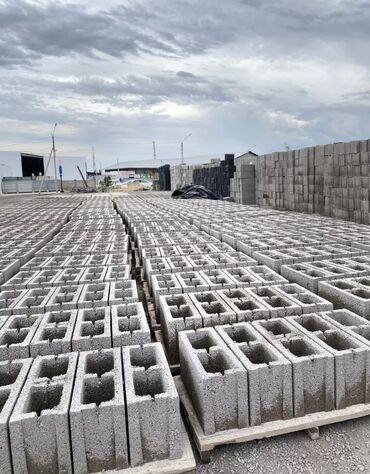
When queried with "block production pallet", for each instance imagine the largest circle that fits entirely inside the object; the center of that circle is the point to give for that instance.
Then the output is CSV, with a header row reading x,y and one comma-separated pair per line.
x,y
310,423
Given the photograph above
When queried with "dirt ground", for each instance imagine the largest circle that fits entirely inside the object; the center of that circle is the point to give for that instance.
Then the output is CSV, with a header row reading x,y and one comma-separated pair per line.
x,y
342,448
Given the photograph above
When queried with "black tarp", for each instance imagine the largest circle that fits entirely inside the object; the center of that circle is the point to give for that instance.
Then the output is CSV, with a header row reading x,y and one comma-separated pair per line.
x,y
194,191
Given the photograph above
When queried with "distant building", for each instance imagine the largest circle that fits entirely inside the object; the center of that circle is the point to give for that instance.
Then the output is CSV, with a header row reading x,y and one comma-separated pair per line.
x,y
22,165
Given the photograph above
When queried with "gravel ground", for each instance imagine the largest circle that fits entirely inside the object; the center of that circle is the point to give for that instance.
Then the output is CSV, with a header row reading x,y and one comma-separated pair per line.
x,y
342,448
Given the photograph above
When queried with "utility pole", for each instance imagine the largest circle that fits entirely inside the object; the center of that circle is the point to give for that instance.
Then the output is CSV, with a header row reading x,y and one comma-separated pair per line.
x,y
55,161
94,166
154,152
182,148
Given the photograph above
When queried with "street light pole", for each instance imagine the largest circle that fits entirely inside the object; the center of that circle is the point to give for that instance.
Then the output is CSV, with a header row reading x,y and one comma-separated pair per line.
x,y
55,161
182,148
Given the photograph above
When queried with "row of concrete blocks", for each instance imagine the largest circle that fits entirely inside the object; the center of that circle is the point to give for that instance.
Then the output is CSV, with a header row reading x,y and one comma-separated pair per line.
x,y
60,262
29,279
195,262
251,373
310,274
276,258
187,249
105,409
72,330
174,226
212,308
351,293
213,279
42,299
118,247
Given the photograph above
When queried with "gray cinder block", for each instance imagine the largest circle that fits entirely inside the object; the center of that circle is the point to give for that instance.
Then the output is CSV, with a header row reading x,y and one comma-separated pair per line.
x,y
12,377
34,301
16,335
266,275
9,299
153,409
192,281
177,313
92,330
54,333
117,273
278,304
69,276
215,380
39,424
312,365
94,295
351,358
20,280
308,301
244,305
351,293
243,277
93,275
97,413
123,292
269,373
64,298
44,277
165,284
212,308
217,279
129,325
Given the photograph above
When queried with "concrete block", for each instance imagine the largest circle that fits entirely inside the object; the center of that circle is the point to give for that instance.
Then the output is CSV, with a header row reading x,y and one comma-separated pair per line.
x,y
192,281
266,275
97,413
12,377
243,277
16,335
269,373
165,284
69,276
94,295
123,292
212,308
44,278
20,280
92,330
54,333
153,408
93,275
177,313
33,301
39,424
217,279
179,263
9,299
215,380
308,301
279,305
64,298
200,262
129,325
244,305
312,365
351,358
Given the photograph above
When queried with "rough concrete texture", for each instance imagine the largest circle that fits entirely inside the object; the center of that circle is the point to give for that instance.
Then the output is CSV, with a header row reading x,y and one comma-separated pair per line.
x,y
216,380
177,313
245,306
312,366
212,308
97,413
269,373
54,333
129,325
153,408
123,292
92,330
39,424
351,358
8,299
351,293
16,335
12,377
94,295
34,301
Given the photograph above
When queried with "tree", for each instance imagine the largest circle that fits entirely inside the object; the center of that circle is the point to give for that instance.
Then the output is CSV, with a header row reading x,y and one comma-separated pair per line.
x,y
106,182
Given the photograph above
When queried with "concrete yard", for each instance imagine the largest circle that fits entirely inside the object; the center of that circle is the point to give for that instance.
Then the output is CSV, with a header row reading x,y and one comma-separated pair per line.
x,y
124,316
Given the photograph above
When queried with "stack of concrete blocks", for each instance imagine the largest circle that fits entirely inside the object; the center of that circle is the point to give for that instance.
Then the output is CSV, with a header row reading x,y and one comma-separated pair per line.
x,y
331,180
181,175
243,184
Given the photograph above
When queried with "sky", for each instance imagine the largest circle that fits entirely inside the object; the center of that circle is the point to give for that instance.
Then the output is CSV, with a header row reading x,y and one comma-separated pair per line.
x,y
238,75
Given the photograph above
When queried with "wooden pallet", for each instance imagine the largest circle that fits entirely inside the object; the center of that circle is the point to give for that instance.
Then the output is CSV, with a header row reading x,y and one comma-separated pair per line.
x,y
310,423
175,368
185,465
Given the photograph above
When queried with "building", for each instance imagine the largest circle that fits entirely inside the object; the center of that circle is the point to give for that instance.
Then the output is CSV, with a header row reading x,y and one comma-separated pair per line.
x,y
24,165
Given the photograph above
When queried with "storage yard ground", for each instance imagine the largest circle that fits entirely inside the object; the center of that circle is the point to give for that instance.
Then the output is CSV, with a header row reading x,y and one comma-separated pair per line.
x,y
111,303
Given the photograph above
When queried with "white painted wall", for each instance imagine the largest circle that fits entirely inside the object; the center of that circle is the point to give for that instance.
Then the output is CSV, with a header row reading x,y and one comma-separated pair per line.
x,y
11,165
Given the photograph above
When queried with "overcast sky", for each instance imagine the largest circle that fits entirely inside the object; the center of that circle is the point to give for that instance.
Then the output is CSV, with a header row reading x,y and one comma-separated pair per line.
x,y
237,74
